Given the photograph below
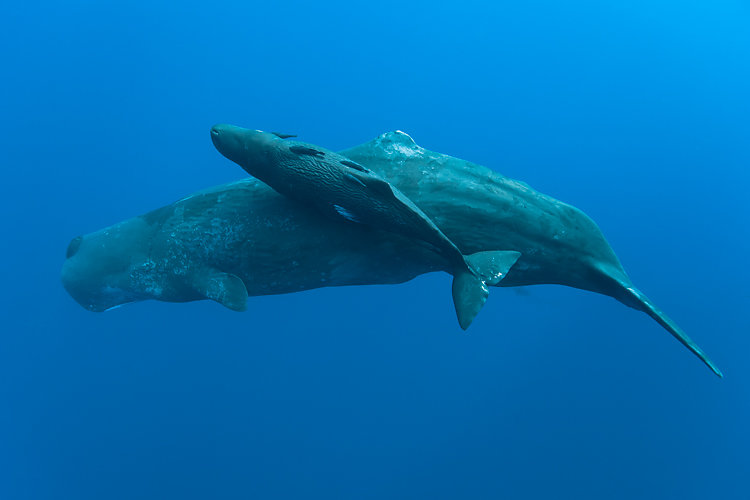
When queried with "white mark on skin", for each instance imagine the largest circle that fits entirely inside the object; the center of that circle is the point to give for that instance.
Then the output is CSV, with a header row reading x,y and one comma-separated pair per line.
x,y
343,212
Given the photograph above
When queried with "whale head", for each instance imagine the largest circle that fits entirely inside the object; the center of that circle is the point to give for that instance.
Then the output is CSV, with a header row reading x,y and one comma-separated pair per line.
x,y
106,269
253,150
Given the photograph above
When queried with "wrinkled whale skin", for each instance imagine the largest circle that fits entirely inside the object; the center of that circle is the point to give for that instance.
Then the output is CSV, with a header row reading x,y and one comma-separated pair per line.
x,y
275,245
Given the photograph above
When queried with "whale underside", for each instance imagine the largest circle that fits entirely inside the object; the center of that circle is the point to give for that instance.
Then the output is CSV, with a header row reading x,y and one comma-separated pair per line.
x,y
211,243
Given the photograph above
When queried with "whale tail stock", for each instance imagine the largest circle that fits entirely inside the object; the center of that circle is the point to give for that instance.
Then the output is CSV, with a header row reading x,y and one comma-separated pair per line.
x,y
471,284
626,293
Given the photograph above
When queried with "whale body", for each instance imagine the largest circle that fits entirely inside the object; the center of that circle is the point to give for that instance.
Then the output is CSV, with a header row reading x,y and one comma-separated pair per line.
x,y
244,238
334,185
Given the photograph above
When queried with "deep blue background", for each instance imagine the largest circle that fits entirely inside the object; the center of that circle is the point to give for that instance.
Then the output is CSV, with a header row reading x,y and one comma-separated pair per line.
x,y
636,112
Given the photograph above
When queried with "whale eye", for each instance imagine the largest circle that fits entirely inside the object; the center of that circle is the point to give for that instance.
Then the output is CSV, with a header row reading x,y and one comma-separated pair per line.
x,y
73,246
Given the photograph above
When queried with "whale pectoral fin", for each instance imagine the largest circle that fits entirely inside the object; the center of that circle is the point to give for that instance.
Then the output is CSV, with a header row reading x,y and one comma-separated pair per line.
x,y
225,288
355,166
346,214
384,190
354,180
375,184
304,150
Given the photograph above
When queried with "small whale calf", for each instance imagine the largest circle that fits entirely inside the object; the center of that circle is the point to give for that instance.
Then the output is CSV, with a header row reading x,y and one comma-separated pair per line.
x,y
379,213
336,186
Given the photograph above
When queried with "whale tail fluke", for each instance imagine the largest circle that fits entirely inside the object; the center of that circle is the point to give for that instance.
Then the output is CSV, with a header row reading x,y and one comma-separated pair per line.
x,y
645,305
469,295
625,292
471,284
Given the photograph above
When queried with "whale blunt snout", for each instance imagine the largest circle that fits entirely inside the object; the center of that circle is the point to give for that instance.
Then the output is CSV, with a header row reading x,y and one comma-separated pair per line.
x,y
216,135
231,141
224,140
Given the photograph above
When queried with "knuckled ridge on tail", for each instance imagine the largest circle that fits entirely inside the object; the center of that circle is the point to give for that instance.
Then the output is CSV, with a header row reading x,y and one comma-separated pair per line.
x,y
471,285
632,297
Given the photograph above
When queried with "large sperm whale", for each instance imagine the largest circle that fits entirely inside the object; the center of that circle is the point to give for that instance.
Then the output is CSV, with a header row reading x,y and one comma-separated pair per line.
x,y
341,188
243,238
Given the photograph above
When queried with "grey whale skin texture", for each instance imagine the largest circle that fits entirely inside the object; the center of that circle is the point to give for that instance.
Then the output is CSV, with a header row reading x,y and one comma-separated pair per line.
x,y
197,247
335,186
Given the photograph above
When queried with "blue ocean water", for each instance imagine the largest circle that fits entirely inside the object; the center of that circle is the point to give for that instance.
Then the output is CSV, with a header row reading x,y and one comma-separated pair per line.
x,y
636,112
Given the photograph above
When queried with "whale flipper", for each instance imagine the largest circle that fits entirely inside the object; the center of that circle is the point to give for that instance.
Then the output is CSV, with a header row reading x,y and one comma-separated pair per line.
x,y
225,288
354,180
475,272
470,286
355,166
376,185
304,150
346,214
